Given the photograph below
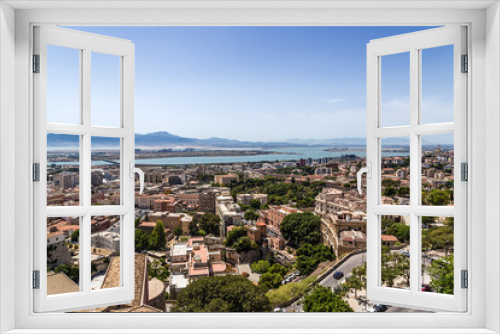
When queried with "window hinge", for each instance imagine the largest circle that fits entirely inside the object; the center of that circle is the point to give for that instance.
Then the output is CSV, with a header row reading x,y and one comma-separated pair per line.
x,y
465,279
465,64
36,279
36,63
464,171
36,172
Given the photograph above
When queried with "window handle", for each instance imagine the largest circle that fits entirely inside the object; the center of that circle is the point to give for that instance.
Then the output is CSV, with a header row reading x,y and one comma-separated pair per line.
x,y
139,171
368,171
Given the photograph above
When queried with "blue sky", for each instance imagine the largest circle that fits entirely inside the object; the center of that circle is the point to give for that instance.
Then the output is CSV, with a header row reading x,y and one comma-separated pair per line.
x,y
252,83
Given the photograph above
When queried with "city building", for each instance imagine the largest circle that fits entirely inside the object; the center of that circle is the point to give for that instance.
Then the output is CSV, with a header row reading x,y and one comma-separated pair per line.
x,y
107,240
65,180
275,214
225,179
245,199
228,211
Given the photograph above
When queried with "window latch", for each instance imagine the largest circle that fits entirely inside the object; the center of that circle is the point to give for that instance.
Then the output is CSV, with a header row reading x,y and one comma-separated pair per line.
x,y
139,171
368,171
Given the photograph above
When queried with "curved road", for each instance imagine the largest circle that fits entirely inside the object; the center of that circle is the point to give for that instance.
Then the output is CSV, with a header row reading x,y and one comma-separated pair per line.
x,y
329,281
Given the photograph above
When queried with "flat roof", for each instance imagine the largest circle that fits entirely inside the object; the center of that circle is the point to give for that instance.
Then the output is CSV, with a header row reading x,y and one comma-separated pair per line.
x,y
180,281
179,249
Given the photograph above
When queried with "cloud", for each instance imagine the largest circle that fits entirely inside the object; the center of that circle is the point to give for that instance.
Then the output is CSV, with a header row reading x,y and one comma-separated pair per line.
x,y
333,101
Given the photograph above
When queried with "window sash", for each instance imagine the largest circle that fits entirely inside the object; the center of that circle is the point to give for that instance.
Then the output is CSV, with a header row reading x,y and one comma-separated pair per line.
x,y
413,43
86,43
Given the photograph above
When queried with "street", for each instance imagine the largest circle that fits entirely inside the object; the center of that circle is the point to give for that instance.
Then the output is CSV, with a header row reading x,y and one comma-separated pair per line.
x,y
329,281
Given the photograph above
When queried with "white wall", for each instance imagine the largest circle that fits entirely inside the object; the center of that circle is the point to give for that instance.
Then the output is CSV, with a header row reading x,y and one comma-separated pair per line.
x,y
7,160
492,164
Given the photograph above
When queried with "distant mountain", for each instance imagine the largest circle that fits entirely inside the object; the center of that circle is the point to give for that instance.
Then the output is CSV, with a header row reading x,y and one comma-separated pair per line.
x,y
155,139
329,142
166,139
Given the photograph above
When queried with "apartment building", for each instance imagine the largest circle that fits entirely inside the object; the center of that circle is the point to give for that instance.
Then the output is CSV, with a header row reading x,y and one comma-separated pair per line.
x,y
275,214
65,180
225,179
246,198
229,212
106,240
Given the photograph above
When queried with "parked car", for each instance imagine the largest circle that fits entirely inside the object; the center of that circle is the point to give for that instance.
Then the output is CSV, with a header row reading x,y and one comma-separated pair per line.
x,y
405,253
378,308
279,309
426,288
338,275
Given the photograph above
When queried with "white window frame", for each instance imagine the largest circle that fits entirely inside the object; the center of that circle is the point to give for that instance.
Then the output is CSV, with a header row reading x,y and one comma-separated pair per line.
x,y
483,21
86,44
414,43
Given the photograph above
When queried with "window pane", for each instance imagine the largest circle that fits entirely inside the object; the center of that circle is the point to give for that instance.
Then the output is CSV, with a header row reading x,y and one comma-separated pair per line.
x,y
395,171
437,170
395,90
437,84
105,178
63,85
105,252
105,90
63,168
63,271
437,254
395,256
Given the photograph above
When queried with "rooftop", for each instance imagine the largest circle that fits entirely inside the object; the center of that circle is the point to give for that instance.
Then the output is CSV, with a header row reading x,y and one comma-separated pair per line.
x,y
179,249
180,281
60,283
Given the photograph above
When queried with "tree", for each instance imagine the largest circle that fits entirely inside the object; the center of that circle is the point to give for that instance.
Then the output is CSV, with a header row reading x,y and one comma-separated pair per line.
x,y
75,236
260,267
441,272
441,237
400,231
357,280
178,231
193,227
403,191
438,197
389,191
394,265
426,220
309,257
270,280
158,236
244,244
322,299
301,228
142,240
255,203
251,215
234,235
210,223
230,293
159,270
277,269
